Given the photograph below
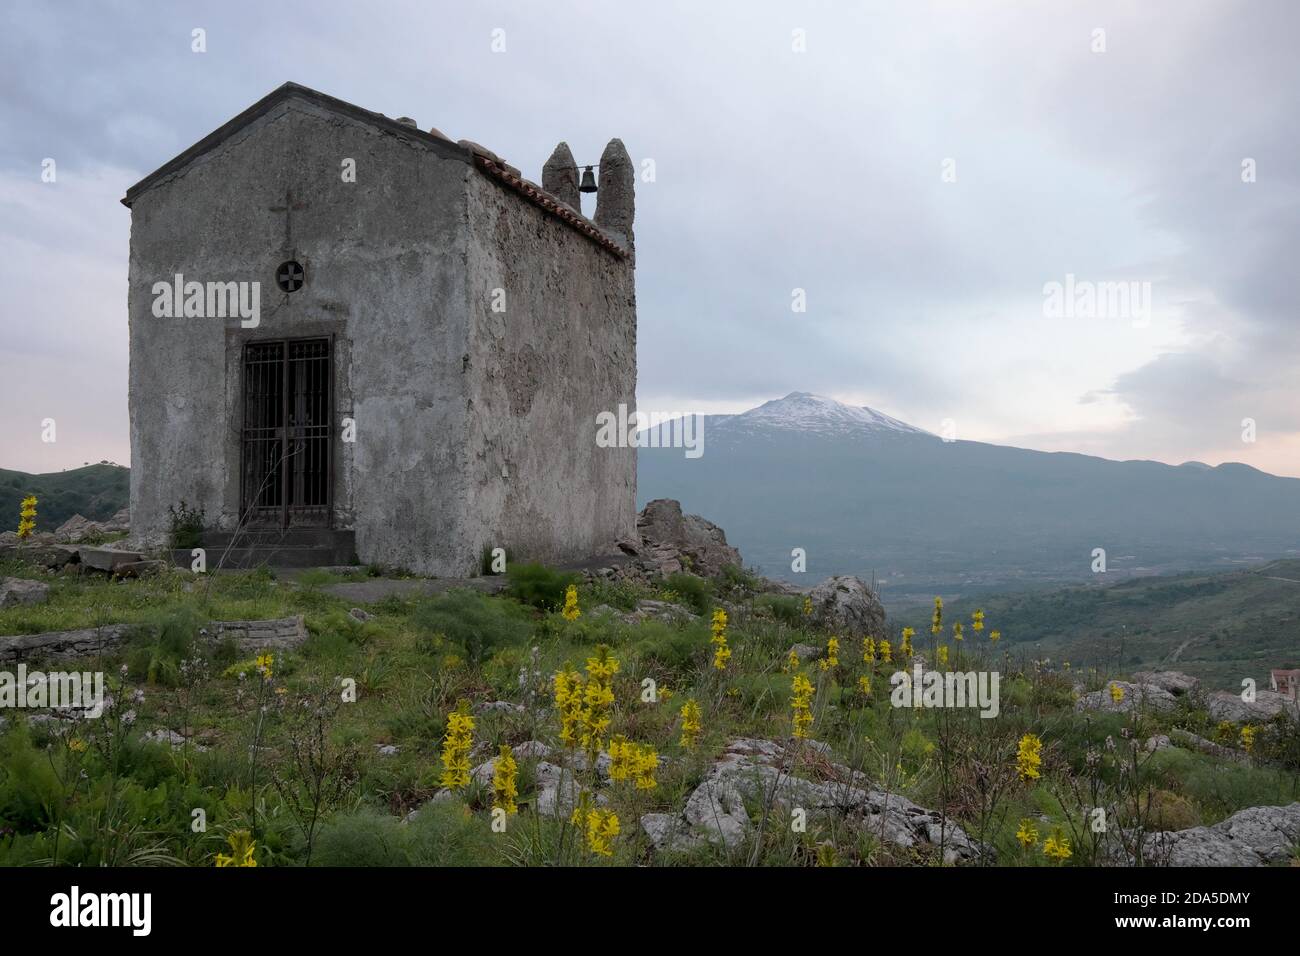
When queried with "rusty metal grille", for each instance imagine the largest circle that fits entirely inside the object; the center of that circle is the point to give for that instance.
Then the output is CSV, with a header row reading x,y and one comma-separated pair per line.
x,y
287,474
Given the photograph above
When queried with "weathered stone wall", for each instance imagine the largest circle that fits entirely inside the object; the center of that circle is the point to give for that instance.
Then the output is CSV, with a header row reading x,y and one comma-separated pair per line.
x,y
563,350
385,276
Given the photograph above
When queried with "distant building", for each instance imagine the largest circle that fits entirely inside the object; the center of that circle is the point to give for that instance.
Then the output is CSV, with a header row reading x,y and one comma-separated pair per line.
x,y
1285,682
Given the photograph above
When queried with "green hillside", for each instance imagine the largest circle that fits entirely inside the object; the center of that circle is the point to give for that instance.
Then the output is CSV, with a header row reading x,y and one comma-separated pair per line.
x,y
1220,627
97,492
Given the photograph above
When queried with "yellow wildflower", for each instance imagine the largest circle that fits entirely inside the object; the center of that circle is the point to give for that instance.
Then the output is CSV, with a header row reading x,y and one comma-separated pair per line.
x,y
791,662
27,517
265,664
1057,847
1029,757
692,725
994,636
942,654
801,705
77,745
571,612
936,622
598,825
807,607
242,848
505,781
456,745
721,652
905,648
1248,738
868,650
833,652
864,685
1027,834
645,761
1116,692
886,653
956,631
977,621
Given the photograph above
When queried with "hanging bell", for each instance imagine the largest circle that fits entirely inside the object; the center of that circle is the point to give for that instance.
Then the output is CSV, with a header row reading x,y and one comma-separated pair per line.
x,y
588,181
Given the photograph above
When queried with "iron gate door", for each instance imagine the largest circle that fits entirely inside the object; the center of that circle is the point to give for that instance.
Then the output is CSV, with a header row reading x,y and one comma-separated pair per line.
x,y
287,439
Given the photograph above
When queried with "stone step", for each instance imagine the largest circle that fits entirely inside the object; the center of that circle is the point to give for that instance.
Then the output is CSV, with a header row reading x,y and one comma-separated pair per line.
x,y
292,548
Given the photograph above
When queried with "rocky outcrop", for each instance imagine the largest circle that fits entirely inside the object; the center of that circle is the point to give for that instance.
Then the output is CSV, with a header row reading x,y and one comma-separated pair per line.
x,y
15,592
671,541
1225,705
756,772
250,637
1256,836
1175,682
1135,696
846,606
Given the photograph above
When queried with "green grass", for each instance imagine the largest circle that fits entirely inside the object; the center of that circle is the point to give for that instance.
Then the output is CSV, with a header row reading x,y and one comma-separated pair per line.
x,y
414,658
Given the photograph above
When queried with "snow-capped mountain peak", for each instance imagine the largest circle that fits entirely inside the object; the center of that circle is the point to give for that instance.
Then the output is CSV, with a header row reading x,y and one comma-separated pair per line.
x,y
806,412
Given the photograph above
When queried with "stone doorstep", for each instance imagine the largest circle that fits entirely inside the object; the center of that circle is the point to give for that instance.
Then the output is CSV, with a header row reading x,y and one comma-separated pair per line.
x,y
250,636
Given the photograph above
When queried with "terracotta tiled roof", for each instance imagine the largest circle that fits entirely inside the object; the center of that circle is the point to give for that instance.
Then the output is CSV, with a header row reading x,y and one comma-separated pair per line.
x,y
540,197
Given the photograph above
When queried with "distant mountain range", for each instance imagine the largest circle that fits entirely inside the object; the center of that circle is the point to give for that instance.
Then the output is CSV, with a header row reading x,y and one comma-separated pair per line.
x,y
867,494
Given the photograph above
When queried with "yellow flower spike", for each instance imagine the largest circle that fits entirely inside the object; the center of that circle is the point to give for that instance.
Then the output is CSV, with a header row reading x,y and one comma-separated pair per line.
x,y
505,781
456,745
1057,847
571,611
1029,757
1027,835
242,849
692,725
721,652
1116,693
886,653
977,621
801,706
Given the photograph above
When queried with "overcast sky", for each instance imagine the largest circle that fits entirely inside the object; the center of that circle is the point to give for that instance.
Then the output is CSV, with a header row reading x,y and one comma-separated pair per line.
x,y
776,168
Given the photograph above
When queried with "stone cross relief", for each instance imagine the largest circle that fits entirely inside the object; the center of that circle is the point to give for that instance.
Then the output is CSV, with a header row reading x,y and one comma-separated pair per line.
x,y
290,204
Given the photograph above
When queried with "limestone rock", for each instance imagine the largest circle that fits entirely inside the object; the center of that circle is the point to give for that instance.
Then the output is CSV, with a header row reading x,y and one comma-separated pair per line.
x,y
78,528
1256,836
1146,696
560,177
753,771
672,541
1176,682
20,591
805,652
107,560
846,606
118,523
1226,705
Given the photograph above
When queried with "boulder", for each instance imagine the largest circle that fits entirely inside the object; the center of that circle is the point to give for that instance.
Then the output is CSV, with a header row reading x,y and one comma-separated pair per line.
x,y
20,591
846,606
78,528
672,541
752,771
1176,682
108,560
1256,836
1144,696
1226,705
118,523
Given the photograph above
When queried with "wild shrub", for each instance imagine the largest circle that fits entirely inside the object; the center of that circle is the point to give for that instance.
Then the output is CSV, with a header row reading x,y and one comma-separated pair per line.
x,y
478,624
695,592
539,586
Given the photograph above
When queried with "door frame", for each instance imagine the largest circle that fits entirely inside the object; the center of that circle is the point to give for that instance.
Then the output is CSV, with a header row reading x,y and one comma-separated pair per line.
x,y
286,515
